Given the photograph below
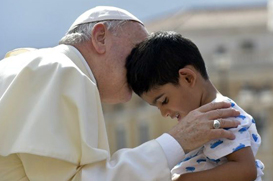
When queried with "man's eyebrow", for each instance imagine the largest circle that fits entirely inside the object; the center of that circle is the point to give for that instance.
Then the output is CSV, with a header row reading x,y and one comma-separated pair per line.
x,y
154,101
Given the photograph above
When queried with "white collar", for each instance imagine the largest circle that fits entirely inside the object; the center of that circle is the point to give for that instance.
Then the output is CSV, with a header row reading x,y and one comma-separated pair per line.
x,y
68,50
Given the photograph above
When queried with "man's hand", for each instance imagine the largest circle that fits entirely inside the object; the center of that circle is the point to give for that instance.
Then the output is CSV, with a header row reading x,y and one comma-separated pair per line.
x,y
195,129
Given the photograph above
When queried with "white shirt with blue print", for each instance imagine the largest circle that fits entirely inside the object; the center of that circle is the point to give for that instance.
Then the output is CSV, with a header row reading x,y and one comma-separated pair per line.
x,y
213,153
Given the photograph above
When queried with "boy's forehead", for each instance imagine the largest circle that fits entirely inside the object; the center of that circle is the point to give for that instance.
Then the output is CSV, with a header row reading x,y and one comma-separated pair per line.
x,y
153,95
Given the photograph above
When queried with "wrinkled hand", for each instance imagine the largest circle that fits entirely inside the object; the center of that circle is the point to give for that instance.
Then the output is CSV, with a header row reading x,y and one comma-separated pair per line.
x,y
196,129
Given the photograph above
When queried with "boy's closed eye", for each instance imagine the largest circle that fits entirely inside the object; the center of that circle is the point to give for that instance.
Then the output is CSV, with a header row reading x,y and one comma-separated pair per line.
x,y
165,101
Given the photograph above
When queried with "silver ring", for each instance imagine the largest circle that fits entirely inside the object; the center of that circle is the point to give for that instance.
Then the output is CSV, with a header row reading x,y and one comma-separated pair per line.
x,y
216,124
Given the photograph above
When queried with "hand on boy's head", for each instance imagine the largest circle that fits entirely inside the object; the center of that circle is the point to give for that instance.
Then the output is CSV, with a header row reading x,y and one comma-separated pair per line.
x,y
195,129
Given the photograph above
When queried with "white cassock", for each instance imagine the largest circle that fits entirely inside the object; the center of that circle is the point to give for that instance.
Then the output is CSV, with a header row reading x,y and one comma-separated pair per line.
x,y
52,125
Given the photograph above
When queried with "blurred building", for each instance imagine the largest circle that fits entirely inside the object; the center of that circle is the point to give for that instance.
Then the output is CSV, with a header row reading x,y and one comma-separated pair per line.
x,y
237,47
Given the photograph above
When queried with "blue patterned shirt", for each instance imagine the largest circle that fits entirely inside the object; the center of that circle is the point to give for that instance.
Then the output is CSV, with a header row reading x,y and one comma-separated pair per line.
x,y
213,153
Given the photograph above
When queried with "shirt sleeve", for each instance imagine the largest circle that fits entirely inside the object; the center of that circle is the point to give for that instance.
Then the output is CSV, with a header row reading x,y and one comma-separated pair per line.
x,y
218,148
145,162
172,149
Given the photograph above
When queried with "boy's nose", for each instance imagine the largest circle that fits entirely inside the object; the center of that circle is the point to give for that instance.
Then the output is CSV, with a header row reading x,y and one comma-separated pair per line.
x,y
165,112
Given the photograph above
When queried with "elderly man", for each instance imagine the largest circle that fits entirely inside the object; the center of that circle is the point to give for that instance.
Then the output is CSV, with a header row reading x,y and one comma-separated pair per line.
x,y
52,126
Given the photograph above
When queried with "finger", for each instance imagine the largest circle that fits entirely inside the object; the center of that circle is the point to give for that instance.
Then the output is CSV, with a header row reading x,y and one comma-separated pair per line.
x,y
221,133
214,105
229,123
222,113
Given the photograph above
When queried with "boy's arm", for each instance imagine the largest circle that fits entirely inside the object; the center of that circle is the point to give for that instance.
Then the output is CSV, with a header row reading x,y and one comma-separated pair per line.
x,y
240,167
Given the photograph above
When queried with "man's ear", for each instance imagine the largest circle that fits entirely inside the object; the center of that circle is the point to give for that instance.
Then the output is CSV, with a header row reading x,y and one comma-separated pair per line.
x,y
98,38
187,76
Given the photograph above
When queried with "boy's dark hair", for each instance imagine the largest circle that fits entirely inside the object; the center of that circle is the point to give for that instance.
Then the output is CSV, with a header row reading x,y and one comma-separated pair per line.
x,y
157,60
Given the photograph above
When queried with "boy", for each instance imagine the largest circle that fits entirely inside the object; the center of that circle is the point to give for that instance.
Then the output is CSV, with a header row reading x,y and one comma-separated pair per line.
x,y
168,72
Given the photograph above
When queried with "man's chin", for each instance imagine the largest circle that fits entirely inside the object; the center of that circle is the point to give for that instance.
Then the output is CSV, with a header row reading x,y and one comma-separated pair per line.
x,y
127,97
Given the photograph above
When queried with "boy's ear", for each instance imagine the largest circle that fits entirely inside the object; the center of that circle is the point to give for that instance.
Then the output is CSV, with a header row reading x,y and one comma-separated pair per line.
x,y
187,76
98,38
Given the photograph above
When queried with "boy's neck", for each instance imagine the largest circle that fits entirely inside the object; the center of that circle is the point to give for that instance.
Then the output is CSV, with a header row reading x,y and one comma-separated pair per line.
x,y
209,93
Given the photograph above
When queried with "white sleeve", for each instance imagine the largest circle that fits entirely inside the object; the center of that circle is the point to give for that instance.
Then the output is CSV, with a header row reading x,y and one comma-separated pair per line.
x,y
172,149
142,163
145,162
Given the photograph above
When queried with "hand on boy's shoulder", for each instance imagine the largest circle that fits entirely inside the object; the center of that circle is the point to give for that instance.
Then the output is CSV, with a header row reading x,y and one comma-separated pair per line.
x,y
196,128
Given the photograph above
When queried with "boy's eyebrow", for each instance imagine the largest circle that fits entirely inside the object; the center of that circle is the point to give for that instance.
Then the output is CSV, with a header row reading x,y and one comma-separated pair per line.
x,y
154,101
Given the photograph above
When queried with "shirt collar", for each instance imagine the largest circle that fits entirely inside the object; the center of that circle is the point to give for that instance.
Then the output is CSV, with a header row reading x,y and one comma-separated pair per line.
x,y
78,59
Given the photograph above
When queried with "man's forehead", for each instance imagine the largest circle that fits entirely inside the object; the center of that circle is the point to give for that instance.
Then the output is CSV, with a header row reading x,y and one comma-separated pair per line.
x,y
134,33
136,29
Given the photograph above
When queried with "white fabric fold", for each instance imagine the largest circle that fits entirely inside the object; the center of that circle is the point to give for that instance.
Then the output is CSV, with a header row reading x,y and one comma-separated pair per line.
x,y
50,108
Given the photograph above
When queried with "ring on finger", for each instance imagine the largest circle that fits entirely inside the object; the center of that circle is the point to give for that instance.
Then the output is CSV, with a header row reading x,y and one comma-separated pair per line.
x,y
216,124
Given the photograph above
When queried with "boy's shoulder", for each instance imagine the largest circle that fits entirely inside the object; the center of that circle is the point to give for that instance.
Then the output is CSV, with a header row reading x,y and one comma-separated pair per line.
x,y
244,116
246,134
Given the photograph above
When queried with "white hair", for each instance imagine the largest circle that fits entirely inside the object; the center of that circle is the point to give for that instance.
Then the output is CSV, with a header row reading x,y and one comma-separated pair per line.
x,y
82,32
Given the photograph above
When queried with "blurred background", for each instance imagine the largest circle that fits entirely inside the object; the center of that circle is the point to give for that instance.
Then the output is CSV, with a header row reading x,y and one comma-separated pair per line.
x,y
234,37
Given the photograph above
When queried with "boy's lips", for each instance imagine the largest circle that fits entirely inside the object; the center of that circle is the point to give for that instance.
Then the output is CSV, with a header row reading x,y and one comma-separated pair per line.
x,y
176,116
179,118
